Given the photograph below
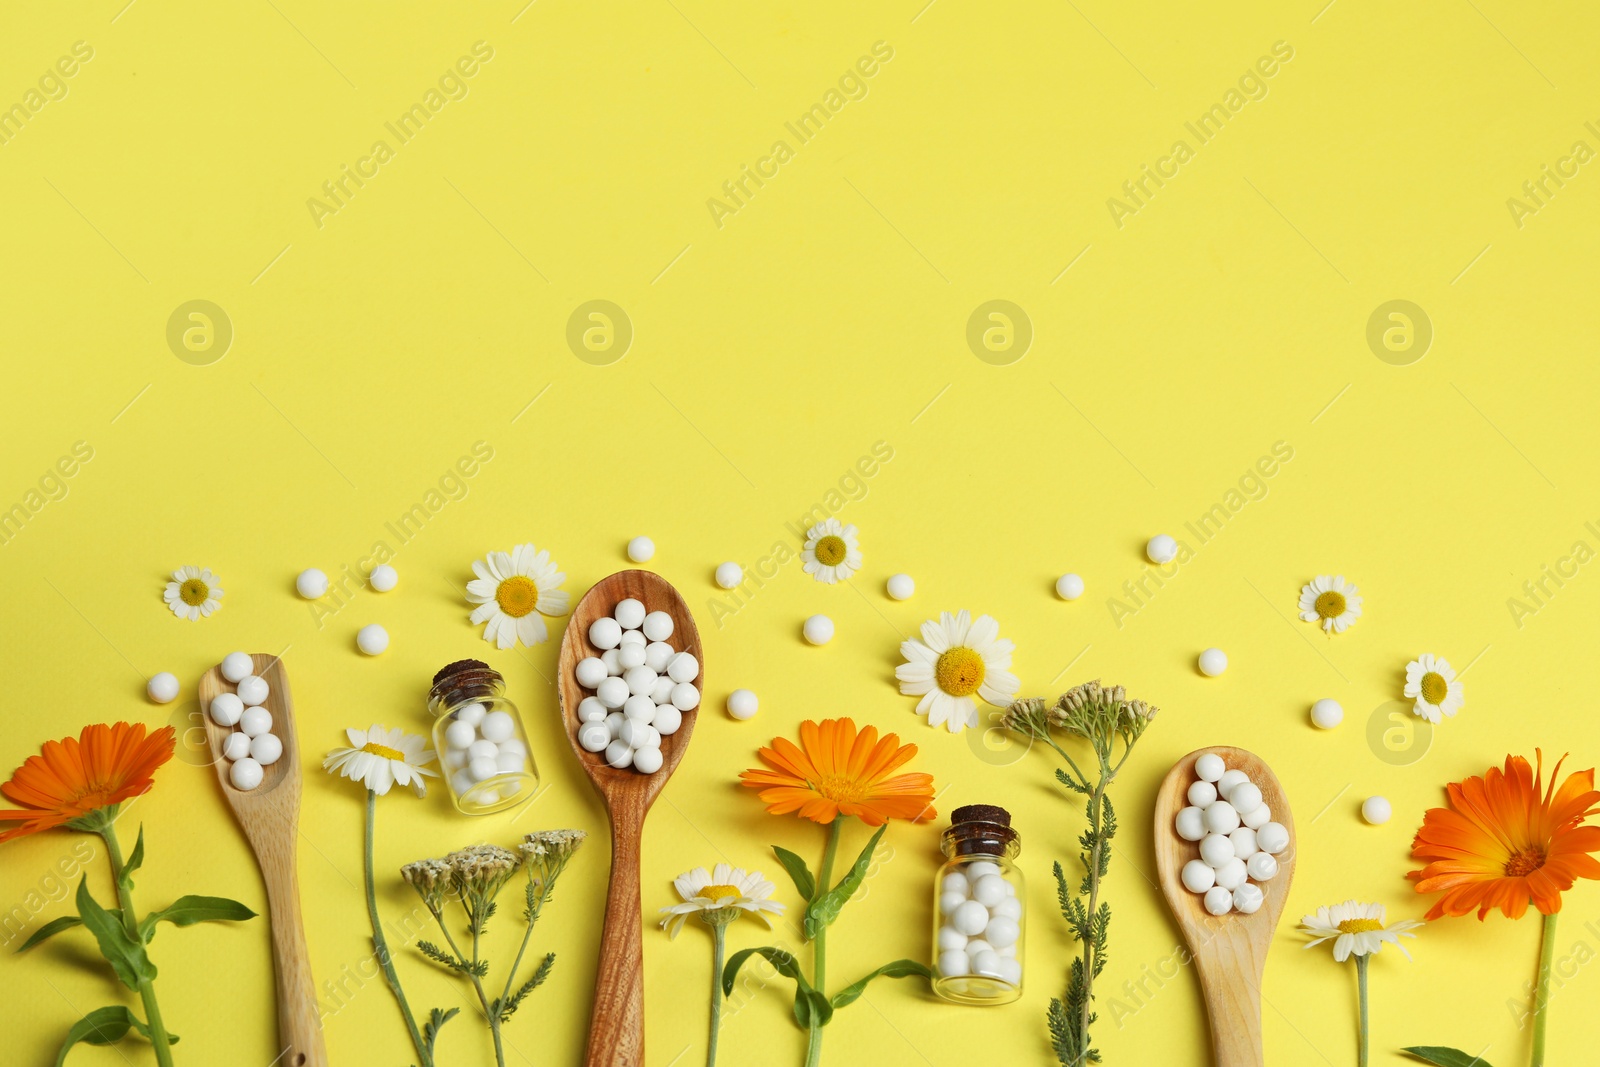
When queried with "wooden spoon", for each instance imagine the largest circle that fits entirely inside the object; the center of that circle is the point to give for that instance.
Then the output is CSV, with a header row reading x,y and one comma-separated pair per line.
x,y
1229,951
269,815
616,1027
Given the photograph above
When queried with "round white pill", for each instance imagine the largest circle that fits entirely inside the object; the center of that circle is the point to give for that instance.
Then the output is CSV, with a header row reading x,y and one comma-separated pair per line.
x,y
658,626
612,659
453,759
954,964
461,782
629,613
683,668
482,749
955,882
245,773
1273,837
640,680
1010,907
236,666
1010,970
901,586
637,733
612,692
1189,825
641,548
383,578
594,737
1161,549
970,918
226,709
729,575
950,901
818,629
311,584
685,697
1209,767
639,708
661,692
605,633
1244,842
980,868
1247,899
482,768
253,689
1215,850
1198,876
1231,875
514,744
1376,810
986,964
633,637
255,721
1245,797
952,940
1257,817
619,755
236,746
265,749
614,723
631,654
989,890
1228,780
497,726
1327,713
162,688
742,704
667,720
648,760
1069,587
1218,901
976,945
1202,794
1213,661
1262,866
372,639
657,654
1220,818
460,734
590,672
471,714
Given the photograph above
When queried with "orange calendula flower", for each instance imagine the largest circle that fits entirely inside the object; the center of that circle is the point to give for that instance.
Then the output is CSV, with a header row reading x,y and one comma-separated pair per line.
x,y
1507,841
76,777
836,770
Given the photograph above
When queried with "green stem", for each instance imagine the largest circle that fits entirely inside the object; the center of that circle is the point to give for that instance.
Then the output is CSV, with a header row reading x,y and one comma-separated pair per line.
x,y
1361,983
1095,814
819,953
716,991
527,935
1541,1001
130,920
381,945
490,1013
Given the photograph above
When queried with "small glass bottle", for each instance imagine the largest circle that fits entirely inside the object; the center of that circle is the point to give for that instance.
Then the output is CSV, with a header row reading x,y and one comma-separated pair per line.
x,y
483,750
978,909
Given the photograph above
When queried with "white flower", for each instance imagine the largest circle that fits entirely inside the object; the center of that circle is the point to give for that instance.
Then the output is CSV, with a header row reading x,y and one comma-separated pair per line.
x,y
721,887
956,658
512,591
380,757
832,552
1431,682
193,593
1356,928
1331,603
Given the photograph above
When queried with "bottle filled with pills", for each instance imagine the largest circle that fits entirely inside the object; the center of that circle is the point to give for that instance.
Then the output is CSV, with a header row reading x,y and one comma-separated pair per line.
x,y
978,920
483,750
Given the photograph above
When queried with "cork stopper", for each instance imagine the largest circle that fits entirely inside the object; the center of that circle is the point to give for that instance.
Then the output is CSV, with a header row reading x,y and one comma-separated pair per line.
x,y
980,830
981,813
465,679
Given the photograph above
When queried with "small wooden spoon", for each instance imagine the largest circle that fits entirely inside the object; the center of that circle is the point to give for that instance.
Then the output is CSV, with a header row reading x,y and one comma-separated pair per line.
x,y
616,1027
1229,951
269,815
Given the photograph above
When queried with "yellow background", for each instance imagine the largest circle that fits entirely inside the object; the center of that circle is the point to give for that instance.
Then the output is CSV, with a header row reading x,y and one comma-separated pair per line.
x,y
770,354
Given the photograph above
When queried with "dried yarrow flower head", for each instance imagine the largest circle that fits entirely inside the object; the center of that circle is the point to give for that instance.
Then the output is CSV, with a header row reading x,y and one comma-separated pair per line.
x,y
1029,717
545,853
480,870
1093,711
432,881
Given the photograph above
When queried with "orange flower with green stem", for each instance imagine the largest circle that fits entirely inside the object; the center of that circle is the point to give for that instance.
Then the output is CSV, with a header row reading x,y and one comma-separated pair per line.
x,y
81,783
835,773
1507,840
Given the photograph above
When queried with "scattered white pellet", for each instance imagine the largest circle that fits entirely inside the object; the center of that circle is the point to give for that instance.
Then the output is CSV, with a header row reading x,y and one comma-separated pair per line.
x,y
1212,662
1376,810
1069,587
901,586
818,629
311,584
162,688
372,639
1161,549
1327,713
641,549
742,704
383,578
729,575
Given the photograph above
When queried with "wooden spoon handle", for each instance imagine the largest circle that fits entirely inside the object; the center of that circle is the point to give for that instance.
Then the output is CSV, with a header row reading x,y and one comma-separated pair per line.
x,y
299,1026
1234,1008
616,1029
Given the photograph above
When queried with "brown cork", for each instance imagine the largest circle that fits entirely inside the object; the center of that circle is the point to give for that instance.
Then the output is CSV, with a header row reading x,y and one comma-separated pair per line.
x,y
465,679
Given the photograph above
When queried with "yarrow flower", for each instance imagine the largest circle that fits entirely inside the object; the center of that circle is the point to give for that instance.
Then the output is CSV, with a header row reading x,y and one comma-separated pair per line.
x,y
1356,928
432,881
1331,603
957,658
832,551
193,593
481,870
545,853
1432,683
724,889
512,591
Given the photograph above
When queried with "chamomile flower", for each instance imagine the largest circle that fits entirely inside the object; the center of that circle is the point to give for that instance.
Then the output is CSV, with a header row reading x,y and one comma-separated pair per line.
x,y
1356,928
193,593
721,887
832,552
379,757
512,592
1332,603
1432,683
957,658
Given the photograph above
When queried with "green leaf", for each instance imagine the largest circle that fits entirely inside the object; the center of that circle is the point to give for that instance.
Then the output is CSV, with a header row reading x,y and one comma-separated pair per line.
x,y
808,1003
1445,1057
135,861
126,956
826,907
51,929
436,1020
104,1026
798,872
188,910
897,969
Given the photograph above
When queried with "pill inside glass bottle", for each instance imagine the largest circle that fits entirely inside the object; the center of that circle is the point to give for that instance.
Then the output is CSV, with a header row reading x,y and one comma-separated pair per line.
x,y
978,909
483,749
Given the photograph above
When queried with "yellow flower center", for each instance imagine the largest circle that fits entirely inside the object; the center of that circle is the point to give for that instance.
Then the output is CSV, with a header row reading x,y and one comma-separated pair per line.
x,y
1330,605
1360,926
383,751
194,592
720,893
1525,862
1434,688
842,787
831,551
959,671
517,596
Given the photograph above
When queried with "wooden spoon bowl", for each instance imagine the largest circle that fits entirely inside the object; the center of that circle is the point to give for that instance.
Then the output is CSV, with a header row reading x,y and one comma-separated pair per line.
x,y
269,815
1229,951
616,1028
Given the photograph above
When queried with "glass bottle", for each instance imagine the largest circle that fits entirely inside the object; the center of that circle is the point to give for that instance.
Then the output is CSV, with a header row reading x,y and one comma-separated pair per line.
x,y
978,898
483,750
